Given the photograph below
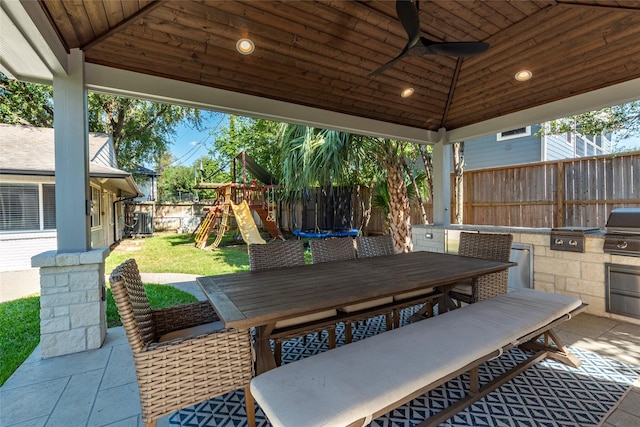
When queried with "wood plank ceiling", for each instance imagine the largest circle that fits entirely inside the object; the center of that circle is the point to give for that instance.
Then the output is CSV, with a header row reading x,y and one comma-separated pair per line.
x,y
318,53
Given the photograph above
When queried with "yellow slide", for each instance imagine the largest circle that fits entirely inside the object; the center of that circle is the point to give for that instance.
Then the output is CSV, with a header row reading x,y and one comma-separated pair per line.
x,y
246,224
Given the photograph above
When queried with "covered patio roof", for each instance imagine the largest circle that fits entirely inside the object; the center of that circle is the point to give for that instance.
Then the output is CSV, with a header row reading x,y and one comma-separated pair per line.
x,y
312,59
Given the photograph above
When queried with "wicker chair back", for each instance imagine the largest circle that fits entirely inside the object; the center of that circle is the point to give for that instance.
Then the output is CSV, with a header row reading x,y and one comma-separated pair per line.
x,y
372,246
278,254
334,249
133,305
493,246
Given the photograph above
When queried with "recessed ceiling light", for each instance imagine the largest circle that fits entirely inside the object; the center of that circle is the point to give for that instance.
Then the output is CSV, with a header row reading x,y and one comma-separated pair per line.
x,y
523,75
406,92
245,46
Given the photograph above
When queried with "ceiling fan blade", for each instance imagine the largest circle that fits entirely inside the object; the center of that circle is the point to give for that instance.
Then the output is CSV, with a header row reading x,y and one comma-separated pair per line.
x,y
390,63
408,15
458,49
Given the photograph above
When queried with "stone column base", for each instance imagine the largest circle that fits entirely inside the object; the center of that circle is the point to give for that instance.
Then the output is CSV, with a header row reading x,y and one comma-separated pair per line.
x,y
72,301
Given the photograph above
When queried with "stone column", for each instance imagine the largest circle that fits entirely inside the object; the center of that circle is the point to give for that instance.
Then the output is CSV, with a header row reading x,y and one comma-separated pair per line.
x,y
72,301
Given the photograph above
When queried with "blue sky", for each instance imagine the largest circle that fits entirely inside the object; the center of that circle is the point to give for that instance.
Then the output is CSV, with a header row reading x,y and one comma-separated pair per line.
x,y
191,144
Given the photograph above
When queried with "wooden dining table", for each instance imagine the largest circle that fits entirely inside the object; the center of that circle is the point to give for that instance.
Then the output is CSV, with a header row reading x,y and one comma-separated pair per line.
x,y
259,299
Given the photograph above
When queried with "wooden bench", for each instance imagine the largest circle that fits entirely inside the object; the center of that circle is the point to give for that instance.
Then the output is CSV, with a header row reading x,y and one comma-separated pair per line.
x,y
355,383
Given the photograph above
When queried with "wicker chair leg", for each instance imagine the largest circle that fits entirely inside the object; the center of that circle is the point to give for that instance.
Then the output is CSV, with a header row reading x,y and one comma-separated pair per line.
x,y
348,332
250,407
150,423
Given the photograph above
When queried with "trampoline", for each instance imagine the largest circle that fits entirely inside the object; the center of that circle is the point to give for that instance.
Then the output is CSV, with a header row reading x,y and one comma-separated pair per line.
x,y
320,234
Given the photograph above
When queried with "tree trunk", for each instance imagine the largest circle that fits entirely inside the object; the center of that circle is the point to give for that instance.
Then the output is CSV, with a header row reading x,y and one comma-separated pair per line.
x,y
428,168
423,212
399,209
458,180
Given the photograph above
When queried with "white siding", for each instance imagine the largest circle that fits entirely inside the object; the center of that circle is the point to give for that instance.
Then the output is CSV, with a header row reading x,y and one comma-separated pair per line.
x,y
557,147
487,152
17,249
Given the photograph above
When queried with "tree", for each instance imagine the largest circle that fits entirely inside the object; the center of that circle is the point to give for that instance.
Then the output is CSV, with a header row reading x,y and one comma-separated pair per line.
x,y
176,184
623,119
257,137
141,130
25,103
322,157
390,154
458,180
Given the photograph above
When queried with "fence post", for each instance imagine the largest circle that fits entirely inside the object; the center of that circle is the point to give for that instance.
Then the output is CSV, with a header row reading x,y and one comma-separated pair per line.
x,y
559,220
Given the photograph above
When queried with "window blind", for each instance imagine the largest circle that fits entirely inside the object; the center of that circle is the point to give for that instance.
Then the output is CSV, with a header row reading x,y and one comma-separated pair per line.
x,y
19,207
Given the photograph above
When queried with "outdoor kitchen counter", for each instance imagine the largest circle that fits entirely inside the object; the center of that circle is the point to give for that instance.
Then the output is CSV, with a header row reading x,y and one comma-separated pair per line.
x,y
512,230
571,273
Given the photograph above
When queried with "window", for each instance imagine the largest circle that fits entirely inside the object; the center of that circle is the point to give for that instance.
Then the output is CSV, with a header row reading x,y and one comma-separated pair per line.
x,y
514,133
49,206
96,207
20,207
570,138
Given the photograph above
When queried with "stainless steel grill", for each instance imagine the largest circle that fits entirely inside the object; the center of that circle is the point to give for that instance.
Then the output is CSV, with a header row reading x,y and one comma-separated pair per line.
x,y
623,232
570,239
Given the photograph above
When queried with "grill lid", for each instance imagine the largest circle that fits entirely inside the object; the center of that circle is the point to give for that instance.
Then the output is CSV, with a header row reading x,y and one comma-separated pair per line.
x,y
627,219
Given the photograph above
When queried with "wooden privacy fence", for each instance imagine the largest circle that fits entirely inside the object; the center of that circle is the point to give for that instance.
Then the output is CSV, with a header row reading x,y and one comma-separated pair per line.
x,y
573,192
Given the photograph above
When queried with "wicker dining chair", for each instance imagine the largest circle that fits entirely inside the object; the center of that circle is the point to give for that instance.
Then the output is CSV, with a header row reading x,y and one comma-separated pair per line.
x,y
342,249
492,246
290,253
182,355
372,246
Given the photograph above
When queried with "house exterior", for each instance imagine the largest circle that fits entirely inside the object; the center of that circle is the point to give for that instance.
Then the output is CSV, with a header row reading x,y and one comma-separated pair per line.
x,y
526,145
147,181
27,194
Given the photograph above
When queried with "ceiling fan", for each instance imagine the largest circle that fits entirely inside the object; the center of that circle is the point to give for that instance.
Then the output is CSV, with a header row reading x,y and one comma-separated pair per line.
x,y
407,12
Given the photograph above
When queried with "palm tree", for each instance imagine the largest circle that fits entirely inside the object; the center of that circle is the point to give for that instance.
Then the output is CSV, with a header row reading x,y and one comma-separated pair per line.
x,y
323,157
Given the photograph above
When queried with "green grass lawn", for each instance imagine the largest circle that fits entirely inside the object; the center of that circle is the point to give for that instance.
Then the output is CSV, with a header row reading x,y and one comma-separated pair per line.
x,y
176,253
165,253
19,333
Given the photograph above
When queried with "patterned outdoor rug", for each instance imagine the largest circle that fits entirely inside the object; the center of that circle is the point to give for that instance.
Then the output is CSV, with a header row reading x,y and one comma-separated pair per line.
x,y
549,394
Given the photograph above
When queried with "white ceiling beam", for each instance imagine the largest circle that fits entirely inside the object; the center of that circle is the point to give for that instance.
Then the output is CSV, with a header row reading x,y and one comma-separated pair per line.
x,y
131,84
618,94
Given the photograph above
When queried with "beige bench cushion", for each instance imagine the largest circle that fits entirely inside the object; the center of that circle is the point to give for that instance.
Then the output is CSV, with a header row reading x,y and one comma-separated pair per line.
x,y
304,319
194,331
413,294
366,305
352,382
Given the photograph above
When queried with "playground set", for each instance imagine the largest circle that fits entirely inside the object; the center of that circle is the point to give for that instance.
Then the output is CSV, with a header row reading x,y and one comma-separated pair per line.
x,y
326,212
238,200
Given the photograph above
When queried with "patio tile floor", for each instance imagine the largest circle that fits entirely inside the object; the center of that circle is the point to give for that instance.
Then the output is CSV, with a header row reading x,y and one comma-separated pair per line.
x,y
98,387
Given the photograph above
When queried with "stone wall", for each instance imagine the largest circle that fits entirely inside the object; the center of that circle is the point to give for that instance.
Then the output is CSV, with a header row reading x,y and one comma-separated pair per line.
x,y
571,273
575,273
